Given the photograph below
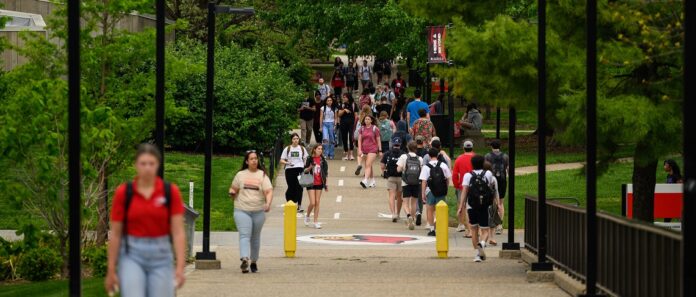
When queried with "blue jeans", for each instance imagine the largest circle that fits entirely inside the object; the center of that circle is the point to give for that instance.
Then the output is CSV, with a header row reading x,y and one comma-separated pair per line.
x,y
249,224
329,140
147,270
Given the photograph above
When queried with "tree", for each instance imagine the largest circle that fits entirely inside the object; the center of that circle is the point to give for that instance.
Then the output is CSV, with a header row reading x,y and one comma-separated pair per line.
x,y
639,72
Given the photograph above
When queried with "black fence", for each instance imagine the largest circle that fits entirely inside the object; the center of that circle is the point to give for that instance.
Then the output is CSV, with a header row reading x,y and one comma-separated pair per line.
x,y
274,153
635,258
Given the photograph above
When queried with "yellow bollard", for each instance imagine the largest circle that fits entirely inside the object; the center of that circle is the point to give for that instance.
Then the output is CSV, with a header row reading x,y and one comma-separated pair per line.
x,y
442,229
290,229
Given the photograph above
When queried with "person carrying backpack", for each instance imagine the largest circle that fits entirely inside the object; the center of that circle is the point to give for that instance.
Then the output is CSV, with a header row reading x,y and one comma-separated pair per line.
x,y
390,166
435,179
479,191
499,166
386,130
409,165
293,158
147,223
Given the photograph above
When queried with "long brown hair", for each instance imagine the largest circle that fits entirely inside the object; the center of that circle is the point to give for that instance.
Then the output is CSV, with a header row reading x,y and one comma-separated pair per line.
x,y
314,149
365,111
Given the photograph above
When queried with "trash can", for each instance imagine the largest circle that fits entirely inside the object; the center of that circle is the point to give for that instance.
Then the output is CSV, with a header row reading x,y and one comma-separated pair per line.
x,y
190,216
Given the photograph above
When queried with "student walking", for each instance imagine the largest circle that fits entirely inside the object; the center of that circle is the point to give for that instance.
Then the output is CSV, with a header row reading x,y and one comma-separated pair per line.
x,y
423,127
435,179
479,191
414,107
365,74
319,168
293,158
324,89
399,86
329,122
338,82
499,167
368,148
402,132
364,111
390,166
252,193
307,110
386,130
346,114
316,123
462,166
351,73
146,223
409,165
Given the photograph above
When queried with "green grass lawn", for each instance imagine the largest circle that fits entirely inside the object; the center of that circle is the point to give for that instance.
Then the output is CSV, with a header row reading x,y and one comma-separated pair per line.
x,y
90,287
180,169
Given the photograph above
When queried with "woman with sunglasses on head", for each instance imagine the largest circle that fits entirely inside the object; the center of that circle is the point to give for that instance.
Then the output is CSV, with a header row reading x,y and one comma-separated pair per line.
x,y
317,165
252,193
293,158
146,221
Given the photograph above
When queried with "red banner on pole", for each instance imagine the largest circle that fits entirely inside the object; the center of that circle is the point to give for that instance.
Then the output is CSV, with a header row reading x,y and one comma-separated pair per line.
x,y
436,44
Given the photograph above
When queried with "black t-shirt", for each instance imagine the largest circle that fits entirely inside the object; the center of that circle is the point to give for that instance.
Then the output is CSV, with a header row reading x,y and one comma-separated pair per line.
x,y
347,117
396,116
317,112
383,107
307,114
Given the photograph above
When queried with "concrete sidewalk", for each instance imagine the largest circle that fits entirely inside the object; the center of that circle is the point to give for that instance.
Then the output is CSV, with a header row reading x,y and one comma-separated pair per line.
x,y
321,269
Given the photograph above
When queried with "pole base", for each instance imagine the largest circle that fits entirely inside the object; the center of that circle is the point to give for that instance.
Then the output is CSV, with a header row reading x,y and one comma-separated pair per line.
x,y
208,264
205,256
442,255
289,254
542,266
514,246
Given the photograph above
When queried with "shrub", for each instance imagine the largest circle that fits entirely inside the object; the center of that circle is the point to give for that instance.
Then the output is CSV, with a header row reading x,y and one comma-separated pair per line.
x,y
5,269
96,258
39,264
254,99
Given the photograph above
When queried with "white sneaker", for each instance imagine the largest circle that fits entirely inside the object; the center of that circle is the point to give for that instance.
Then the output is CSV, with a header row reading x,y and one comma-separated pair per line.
x,y
306,221
461,228
317,225
411,223
482,250
499,230
373,184
477,259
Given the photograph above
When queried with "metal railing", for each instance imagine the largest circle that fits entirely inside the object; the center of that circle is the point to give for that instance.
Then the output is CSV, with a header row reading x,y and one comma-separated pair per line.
x,y
274,153
635,258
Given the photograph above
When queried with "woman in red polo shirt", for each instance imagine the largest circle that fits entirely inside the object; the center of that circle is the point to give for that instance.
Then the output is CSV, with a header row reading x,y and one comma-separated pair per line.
x,y
143,228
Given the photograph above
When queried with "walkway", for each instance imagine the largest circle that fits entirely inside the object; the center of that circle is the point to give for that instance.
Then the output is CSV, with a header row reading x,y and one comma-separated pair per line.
x,y
353,270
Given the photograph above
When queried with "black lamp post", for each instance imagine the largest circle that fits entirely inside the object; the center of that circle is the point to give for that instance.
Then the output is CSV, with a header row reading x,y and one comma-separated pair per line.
x,y
213,9
542,264
159,88
74,175
689,107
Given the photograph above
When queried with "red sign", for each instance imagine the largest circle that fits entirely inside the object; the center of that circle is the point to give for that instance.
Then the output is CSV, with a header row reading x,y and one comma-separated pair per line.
x,y
668,201
435,85
436,44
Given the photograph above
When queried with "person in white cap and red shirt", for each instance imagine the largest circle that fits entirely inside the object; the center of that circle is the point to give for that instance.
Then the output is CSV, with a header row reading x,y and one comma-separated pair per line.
x,y
462,166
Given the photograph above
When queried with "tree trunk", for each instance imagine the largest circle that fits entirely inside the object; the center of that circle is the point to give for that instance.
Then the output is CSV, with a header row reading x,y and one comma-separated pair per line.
x,y
644,175
65,269
103,209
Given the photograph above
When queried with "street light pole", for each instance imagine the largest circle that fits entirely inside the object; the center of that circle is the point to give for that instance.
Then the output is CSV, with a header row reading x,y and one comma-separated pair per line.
x,y
689,107
542,264
213,9
511,244
74,176
159,89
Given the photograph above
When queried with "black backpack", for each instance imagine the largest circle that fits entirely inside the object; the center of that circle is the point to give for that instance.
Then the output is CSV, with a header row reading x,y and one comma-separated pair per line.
x,y
498,165
480,193
392,159
411,174
437,182
129,198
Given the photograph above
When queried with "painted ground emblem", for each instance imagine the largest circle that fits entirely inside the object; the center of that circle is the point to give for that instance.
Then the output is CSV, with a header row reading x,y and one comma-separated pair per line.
x,y
365,239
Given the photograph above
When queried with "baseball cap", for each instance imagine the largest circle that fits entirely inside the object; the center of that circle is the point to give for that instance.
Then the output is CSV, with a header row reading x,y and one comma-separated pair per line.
x,y
420,139
434,139
468,144
396,141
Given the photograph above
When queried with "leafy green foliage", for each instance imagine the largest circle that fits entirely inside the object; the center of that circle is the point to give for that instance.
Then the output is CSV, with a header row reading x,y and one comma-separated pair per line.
x,y
255,99
96,258
39,264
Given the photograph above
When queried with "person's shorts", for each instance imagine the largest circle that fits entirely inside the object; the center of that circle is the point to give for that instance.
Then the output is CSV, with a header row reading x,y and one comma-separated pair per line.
x,y
316,187
478,217
413,191
365,81
502,187
432,200
394,183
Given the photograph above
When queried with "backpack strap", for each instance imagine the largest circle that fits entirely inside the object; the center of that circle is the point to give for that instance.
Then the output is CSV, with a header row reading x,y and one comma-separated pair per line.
x,y
127,202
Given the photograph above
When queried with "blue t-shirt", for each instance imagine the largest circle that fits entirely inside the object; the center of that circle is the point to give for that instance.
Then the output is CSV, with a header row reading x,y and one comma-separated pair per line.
x,y
413,109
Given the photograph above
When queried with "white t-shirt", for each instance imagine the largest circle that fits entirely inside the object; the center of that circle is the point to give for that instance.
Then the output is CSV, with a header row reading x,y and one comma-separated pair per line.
x,y
295,156
401,163
365,70
489,178
425,172
329,114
